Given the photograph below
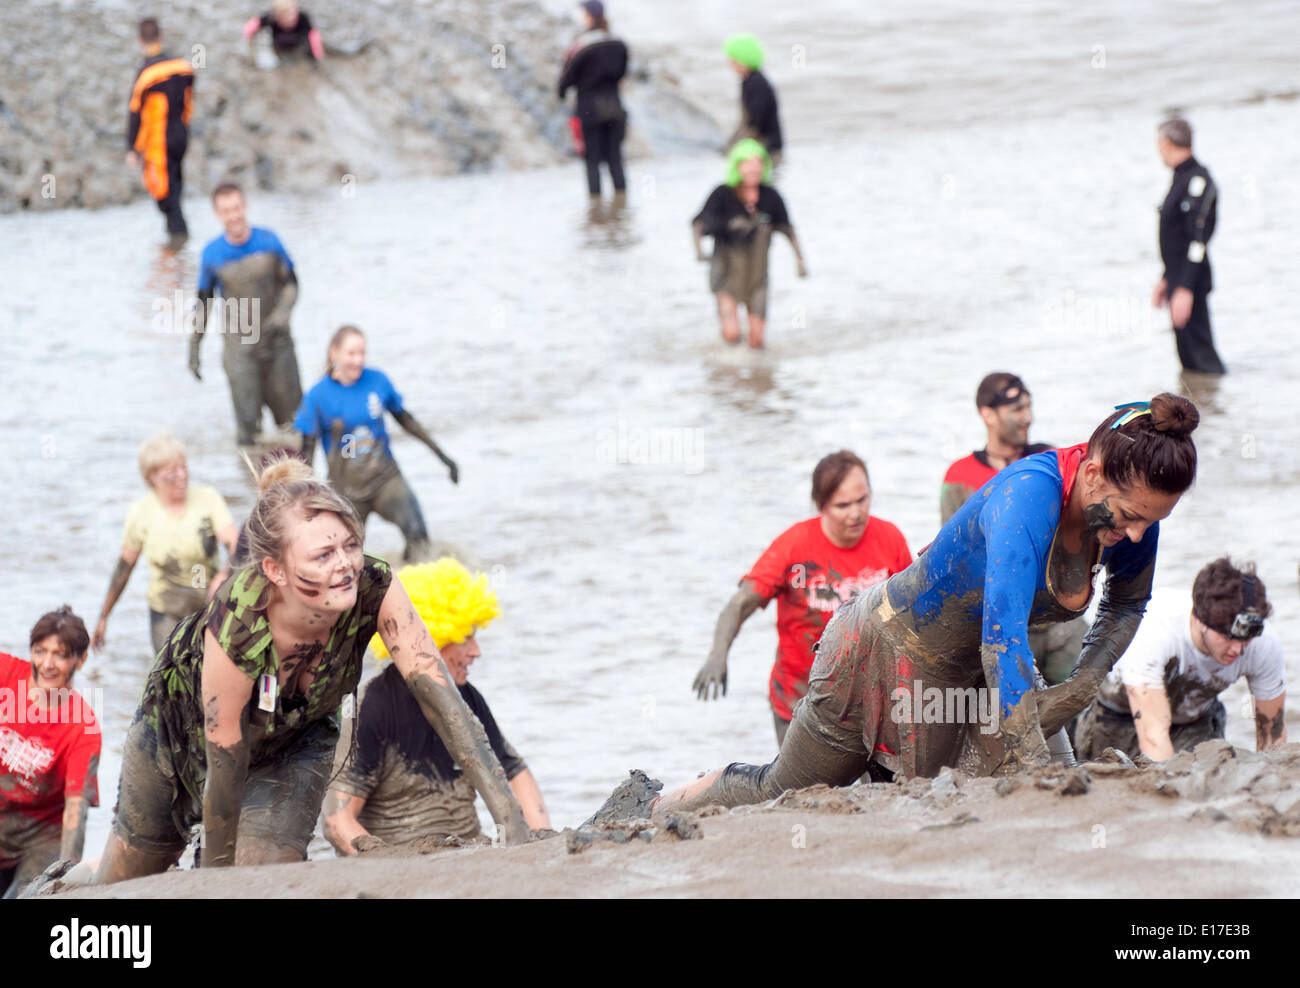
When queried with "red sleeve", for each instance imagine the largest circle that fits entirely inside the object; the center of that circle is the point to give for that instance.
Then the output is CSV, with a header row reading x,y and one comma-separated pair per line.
x,y
770,573
81,776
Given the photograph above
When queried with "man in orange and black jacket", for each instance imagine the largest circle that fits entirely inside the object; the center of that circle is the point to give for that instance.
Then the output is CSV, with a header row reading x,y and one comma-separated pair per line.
x,y
157,127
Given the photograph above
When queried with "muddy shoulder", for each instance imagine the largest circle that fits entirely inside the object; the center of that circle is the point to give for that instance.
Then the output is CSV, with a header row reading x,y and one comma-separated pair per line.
x,y
1218,821
405,91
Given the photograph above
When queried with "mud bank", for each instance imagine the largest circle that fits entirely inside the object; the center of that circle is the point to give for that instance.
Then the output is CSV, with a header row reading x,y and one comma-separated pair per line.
x,y
408,89
1218,822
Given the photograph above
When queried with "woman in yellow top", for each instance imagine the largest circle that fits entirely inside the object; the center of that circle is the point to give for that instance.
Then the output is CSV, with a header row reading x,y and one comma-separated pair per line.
x,y
177,527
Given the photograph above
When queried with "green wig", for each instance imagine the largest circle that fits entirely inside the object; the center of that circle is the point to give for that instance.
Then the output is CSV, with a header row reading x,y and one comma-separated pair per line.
x,y
745,49
742,150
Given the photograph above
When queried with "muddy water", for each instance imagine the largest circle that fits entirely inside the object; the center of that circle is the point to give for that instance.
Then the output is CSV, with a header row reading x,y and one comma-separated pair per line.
x,y
965,204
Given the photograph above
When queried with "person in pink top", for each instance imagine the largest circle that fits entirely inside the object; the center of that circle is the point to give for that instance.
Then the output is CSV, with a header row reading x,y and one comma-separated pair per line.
x,y
49,752
811,568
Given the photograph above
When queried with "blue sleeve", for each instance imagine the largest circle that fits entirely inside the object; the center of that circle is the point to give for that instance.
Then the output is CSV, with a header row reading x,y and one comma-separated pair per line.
x,y
1017,521
392,400
307,421
279,249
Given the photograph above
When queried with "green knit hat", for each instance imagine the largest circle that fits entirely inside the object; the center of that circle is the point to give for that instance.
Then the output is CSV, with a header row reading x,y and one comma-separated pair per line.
x,y
745,49
743,150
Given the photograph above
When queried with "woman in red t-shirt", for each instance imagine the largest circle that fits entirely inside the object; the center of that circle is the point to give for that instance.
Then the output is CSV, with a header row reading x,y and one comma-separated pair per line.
x,y
811,568
49,752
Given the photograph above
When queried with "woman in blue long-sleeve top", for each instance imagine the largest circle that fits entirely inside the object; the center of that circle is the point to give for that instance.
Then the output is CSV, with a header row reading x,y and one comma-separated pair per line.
x,y
933,667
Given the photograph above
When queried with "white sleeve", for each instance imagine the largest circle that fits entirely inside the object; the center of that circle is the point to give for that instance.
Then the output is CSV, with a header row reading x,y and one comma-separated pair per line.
x,y
1266,673
1143,663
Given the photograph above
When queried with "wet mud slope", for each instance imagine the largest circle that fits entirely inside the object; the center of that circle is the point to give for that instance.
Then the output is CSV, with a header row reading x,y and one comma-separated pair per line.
x,y
406,90
1218,822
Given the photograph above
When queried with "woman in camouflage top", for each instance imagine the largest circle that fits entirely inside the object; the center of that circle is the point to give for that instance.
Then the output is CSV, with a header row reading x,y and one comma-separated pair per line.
x,y
237,726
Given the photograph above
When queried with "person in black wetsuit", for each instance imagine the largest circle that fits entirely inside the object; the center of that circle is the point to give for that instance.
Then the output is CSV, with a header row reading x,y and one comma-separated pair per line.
x,y
594,66
292,33
1187,218
157,126
759,117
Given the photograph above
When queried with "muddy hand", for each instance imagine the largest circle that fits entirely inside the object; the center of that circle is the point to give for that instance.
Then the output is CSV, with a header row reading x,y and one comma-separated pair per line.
x,y
1018,745
1060,704
712,675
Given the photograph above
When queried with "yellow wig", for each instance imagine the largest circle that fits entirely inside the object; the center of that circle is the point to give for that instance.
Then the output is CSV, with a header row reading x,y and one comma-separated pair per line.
x,y
451,603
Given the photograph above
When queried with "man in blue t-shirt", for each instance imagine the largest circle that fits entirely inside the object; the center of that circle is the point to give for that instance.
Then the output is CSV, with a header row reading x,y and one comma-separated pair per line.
x,y
258,287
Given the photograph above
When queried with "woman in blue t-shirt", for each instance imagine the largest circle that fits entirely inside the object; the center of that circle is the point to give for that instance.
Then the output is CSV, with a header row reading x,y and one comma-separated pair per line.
x,y
345,409
933,668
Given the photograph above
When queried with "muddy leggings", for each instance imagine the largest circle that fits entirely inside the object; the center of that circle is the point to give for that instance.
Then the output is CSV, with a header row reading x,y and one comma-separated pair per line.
x,y
264,372
33,860
282,799
395,502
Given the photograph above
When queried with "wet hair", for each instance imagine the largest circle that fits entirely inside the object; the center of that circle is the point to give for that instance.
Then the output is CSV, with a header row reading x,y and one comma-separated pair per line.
x,y
992,392
1154,449
157,451
286,485
1216,595
69,629
830,473
225,189
150,32
336,341
1176,131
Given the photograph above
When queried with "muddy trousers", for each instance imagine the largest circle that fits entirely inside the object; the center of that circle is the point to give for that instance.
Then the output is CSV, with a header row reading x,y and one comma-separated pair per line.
x,y
282,799
263,372
1100,728
395,502
33,860
604,144
170,204
804,760
1196,342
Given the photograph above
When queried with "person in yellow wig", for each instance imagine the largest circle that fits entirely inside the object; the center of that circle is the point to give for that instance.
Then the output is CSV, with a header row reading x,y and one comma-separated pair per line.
x,y
398,782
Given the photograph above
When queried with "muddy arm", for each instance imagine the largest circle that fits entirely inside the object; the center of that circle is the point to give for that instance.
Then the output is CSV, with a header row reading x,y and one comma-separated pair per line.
x,y
116,584
417,659
409,422
529,794
1118,615
697,234
226,692
340,824
73,843
788,230
279,315
1151,717
713,674
1270,723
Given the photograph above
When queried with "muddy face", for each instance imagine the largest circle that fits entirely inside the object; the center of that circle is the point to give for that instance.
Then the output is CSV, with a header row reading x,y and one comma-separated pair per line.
x,y
1221,648
53,665
459,656
1013,421
171,481
322,564
1114,513
845,516
751,171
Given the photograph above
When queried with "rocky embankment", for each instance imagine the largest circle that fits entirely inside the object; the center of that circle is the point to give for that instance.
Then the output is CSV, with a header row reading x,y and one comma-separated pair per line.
x,y
408,88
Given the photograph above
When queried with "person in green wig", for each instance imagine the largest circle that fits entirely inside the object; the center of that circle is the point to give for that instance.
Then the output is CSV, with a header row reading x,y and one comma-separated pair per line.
x,y
741,215
759,117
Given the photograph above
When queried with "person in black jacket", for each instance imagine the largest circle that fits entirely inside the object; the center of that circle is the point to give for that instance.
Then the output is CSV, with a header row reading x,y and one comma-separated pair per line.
x,y
594,66
759,117
1187,219
157,126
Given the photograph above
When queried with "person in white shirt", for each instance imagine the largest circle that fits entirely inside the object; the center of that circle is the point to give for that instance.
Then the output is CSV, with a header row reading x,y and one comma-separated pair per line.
x,y
1162,695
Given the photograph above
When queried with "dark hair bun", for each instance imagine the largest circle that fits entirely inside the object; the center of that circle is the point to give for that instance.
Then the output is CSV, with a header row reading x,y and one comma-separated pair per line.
x,y
1174,415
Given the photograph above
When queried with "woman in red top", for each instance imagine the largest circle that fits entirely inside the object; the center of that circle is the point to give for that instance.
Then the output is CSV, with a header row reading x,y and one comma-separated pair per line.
x,y
811,568
49,752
